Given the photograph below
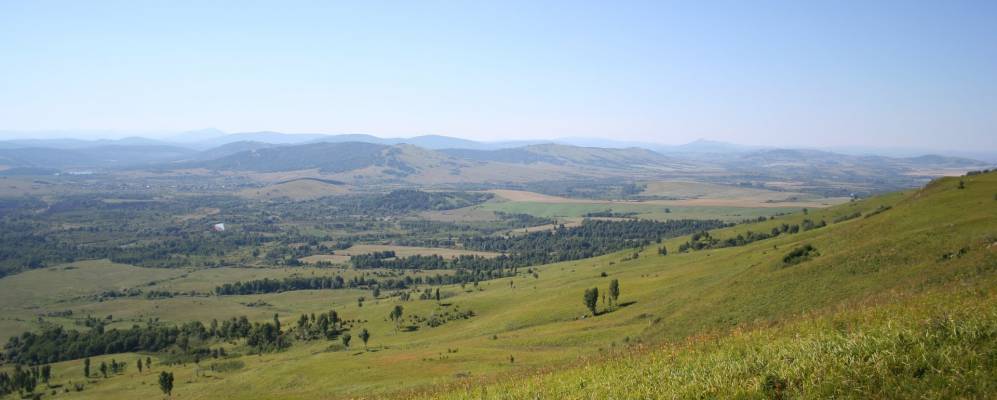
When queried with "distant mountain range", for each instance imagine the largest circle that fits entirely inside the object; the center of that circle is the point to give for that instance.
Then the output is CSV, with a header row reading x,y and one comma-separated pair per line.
x,y
210,138
445,160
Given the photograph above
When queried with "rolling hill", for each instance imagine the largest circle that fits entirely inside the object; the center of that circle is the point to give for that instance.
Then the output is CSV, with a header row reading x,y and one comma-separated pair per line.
x,y
107,156
269,157
557,154
899,302
894,298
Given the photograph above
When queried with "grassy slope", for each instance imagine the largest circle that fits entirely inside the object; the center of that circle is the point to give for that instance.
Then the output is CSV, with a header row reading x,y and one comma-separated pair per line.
x,y
933,334
895,254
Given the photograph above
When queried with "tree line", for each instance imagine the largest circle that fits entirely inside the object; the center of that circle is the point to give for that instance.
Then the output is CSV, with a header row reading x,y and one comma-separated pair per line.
x,y
591,238
703,240
55,343
461,276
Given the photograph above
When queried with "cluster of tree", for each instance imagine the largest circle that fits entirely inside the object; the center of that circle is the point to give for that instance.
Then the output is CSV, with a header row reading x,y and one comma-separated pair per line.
x,y
267,336
21,249
878,210
142,231
847,217
409,200
800,254
442,234
591,238
55,343
267,285
166,382
610,214
588,189
439,318
24,380
114,368
591,297
703,240
381,254
136,292
327,325
173,252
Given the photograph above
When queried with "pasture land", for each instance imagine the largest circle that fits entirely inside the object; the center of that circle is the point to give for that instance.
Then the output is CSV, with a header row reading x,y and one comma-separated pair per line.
x,y
926,259
639,209
296,189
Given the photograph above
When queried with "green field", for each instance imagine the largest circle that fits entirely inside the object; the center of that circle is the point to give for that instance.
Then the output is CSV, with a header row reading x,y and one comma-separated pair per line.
x,y
643,210
738,311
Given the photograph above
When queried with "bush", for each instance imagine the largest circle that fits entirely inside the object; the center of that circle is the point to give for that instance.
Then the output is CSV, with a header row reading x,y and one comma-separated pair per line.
x,y
800,254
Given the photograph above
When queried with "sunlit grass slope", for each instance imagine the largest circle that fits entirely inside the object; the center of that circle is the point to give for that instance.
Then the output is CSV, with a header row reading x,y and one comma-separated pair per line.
x,y
903,304
895,302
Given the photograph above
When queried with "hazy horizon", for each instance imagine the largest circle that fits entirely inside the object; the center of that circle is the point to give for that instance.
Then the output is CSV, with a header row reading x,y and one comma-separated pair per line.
x,y
885,75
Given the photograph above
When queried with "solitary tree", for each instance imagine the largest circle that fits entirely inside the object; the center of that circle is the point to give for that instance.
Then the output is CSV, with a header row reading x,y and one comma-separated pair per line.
x,y
663,251
346,340
376,292
148,363
166,382
396,316
103,369
86,367
139,364
438,293
276,322
614,290
591,299
365,336
46,373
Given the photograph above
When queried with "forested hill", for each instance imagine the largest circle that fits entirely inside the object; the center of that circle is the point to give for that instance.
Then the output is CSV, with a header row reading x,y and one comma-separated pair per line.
x,y
326,157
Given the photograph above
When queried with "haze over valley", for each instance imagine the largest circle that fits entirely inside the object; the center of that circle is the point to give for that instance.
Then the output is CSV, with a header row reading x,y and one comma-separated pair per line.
x,y
498,200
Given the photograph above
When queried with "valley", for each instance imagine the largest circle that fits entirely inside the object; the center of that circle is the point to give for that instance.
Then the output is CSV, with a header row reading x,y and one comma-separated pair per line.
x,y
523,325
498,200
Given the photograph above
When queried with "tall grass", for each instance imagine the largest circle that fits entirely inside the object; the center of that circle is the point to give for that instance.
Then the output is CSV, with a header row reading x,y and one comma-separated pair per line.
x,y
934,346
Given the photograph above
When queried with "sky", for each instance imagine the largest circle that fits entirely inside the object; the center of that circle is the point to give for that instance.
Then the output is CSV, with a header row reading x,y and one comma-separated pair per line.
x,y
814,73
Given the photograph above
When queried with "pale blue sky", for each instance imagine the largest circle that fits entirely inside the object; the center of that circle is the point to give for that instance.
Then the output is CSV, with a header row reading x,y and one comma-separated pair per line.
x,y
905,73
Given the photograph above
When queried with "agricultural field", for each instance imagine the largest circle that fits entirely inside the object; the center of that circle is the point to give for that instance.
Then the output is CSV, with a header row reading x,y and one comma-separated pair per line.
x,y
297,189
639,209
665,200
733,301
651,202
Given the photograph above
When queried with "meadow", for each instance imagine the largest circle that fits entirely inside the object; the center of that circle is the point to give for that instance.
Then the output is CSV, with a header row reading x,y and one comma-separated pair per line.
x,y
897,300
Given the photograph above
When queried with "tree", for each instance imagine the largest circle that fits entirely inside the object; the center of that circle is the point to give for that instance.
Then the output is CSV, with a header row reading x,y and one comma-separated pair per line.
x,y
377,292
663,251
276,322
103,369
962,185
139,364
365,336
86,367
305,330
614,290
166,382
396,316
148,363
438,294
346,340
591,299
46,373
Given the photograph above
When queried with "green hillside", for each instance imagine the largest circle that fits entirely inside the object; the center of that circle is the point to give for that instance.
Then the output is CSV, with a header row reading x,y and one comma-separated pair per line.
x,y
896,299
900,303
